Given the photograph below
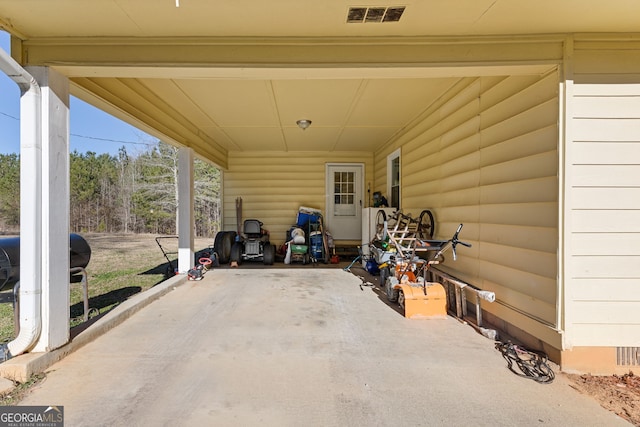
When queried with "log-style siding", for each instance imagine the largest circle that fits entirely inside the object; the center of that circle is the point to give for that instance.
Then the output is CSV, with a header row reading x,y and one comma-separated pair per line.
x,y
273,185
493,153
486,155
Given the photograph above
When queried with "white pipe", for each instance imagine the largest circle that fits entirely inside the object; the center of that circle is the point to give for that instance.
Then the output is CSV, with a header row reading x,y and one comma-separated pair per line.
x,y
30,215
487,295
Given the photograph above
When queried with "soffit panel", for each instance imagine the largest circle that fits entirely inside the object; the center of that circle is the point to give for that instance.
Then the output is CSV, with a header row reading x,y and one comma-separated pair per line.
x,y
221,138
155,18
131,101
347,114
394,102
364,138
325,102
233,103
173,95
368,111
315,138
257,138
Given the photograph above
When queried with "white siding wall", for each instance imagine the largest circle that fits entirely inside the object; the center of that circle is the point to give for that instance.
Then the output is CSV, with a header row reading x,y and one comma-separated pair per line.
x,y
273,185
603,204
486,155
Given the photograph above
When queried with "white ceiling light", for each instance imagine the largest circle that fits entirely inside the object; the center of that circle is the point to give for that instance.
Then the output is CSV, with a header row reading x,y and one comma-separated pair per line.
x,y
303,123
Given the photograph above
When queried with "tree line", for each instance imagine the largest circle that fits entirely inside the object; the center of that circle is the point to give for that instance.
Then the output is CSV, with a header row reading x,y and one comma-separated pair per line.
x,y
122,193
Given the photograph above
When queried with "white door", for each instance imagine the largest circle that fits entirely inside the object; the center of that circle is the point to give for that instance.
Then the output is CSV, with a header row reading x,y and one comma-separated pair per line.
x,y
343,215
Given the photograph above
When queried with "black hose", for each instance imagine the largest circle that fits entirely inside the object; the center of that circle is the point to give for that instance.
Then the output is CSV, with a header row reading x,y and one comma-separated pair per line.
x,y
531,364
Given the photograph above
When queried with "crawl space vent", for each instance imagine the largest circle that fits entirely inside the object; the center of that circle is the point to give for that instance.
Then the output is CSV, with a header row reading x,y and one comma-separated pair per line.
x,y
628,356
374,14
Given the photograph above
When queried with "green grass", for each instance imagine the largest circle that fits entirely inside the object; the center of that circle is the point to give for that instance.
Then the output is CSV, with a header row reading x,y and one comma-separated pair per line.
x,y
107,289
108,276
121,265
20,390
6,322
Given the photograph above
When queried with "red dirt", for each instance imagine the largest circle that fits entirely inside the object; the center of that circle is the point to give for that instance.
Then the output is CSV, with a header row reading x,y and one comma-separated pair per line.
x,y
617,393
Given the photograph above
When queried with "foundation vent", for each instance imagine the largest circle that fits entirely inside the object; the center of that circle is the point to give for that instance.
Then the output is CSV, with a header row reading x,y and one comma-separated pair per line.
x,y
357,15
628,356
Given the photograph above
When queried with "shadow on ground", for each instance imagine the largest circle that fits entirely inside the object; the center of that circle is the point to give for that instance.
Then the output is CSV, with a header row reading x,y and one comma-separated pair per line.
x,y
161,268
167,269
110,299
99,302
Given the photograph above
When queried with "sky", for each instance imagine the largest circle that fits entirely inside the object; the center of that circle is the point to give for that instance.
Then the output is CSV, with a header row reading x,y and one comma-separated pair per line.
x,y
90,128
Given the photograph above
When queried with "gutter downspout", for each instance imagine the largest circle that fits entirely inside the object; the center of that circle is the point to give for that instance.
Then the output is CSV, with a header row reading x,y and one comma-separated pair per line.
x,y
30,219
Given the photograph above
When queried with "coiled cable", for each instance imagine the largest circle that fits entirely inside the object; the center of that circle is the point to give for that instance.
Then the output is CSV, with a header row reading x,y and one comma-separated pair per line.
x,y
531,364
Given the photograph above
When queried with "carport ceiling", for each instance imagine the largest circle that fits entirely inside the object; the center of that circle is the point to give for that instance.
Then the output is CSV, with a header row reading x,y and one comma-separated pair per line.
x,y
258,114
304,18
246,108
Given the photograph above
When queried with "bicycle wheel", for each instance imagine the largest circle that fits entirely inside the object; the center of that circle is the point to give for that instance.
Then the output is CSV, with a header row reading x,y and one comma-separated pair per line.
x,y
426,225
381,225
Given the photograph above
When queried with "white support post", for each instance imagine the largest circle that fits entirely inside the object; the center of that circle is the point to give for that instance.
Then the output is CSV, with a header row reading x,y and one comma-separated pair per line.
x,y
55,208
186,218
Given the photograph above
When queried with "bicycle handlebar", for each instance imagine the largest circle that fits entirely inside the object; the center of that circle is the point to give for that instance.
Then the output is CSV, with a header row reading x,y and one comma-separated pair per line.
x,y
455,241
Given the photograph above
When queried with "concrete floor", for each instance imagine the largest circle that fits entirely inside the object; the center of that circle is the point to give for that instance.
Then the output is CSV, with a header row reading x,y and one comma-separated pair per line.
x,y
298,347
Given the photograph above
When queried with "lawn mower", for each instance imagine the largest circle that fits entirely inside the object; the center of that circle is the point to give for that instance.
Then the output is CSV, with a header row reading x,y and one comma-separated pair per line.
x,y
252,245
172,265
406,275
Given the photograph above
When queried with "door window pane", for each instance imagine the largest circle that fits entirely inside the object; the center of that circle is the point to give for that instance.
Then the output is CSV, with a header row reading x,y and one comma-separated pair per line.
x,y
344,193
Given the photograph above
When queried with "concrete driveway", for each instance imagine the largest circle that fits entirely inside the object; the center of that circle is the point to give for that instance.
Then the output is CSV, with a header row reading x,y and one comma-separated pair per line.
x,y
298,347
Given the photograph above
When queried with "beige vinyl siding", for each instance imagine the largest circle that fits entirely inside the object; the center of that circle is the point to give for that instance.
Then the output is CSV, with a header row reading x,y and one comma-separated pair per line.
x,y
273,185
603,257
380,170
486,155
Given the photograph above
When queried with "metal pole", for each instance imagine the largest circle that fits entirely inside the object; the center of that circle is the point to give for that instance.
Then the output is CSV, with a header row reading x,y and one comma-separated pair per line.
x,y
85,289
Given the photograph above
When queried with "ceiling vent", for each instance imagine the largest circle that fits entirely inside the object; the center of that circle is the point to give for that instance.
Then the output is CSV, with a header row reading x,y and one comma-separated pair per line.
x,y
374,14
